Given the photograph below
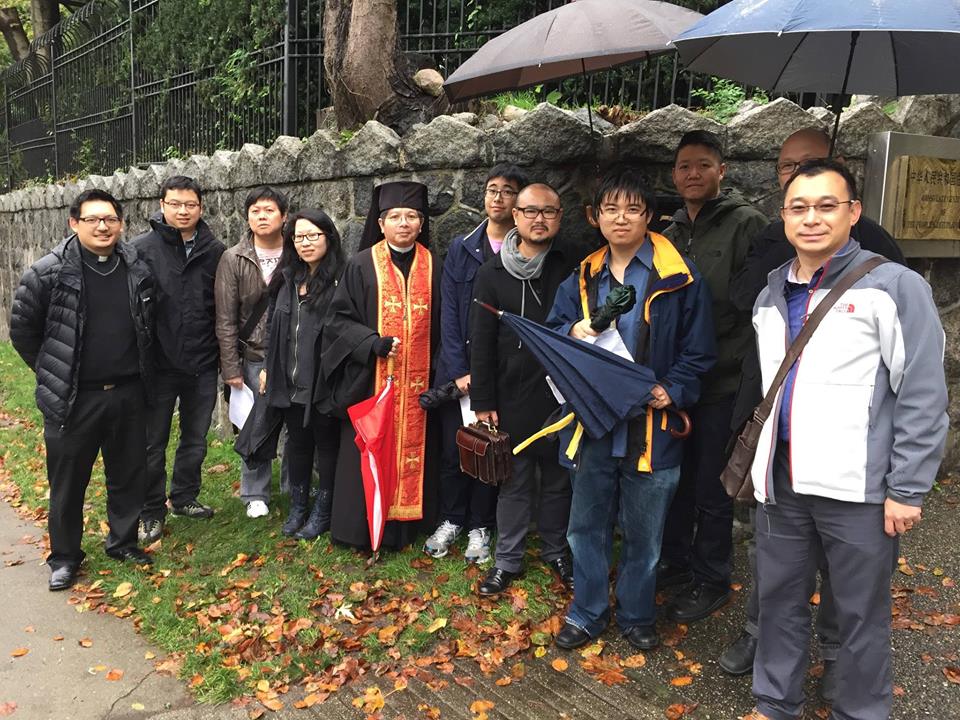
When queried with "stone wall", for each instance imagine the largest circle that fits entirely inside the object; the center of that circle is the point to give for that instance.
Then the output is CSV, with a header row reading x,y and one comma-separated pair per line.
x,y
451,156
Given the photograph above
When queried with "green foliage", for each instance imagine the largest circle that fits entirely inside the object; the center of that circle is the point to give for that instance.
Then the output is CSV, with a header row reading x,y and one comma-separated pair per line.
x,y
526,99
724,99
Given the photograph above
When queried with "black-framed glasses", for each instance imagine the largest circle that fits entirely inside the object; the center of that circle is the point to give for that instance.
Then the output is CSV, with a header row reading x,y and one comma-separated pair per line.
x,y
505,193
825,207
612,212
92,221
530,213
176,204
312,238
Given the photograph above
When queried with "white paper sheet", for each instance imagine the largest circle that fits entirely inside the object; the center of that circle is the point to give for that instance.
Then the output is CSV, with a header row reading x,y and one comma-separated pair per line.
x,y
468,415
241,403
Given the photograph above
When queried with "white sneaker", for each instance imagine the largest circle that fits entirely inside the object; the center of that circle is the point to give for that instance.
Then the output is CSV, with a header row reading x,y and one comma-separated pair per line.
x,y
257,508
438,544
478,546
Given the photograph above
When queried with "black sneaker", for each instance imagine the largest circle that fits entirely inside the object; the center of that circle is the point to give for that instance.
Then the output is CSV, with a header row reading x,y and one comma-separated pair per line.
x,y
193,509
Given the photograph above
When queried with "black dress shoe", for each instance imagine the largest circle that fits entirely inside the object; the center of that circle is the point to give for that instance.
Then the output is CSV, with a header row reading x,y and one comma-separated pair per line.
x,y
737,659
131,554
63,577
697,603
670,574
563,567
642,637
496,581
571,637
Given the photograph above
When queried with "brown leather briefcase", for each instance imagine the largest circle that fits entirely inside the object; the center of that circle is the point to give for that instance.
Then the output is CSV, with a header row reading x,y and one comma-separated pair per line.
x,y
485,453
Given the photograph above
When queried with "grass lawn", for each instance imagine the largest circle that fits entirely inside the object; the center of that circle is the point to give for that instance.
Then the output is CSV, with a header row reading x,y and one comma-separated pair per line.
x,y
241,610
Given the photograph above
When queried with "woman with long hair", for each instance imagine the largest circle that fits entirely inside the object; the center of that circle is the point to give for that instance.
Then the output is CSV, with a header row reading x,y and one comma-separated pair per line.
x,y
301,290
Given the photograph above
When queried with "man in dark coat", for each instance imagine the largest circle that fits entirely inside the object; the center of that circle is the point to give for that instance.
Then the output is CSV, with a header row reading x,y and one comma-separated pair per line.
x,y
83,321
714,228
465,502
387,305
770,250
508,386
183,255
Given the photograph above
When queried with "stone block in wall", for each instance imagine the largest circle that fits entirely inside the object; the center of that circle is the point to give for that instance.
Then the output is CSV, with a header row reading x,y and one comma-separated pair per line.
x,y
279,165
246,169
220,169
173,166
120,184
756,180
545,133
824,115
320,157
758,133
196,167
599,124
655,136
374,150
441,190
150,186
468,117
351,233
445,228
928,114
489,122
857,124
132,182
53,196
333,197
444,143
70,192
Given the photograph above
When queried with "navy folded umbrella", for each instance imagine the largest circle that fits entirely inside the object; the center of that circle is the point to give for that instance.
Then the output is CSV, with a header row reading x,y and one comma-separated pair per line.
x,y
601,387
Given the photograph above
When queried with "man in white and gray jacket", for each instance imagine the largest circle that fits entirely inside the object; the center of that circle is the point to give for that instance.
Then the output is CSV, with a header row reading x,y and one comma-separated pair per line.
x,y
850,451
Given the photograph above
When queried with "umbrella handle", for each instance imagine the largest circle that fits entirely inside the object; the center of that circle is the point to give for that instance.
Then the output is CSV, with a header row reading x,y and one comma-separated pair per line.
x,y
488,307
390,366
687,425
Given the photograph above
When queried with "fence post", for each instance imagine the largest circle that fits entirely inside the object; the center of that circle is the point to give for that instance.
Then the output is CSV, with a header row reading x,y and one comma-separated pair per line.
x,y
290,67
53,102
133,88
6,127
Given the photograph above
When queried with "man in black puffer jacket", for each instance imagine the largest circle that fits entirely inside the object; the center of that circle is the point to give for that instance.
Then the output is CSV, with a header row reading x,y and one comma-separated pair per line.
x,y
83,321
183,255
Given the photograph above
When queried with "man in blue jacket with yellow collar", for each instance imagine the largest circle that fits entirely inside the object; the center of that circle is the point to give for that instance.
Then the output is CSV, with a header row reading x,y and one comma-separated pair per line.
x,y
633,471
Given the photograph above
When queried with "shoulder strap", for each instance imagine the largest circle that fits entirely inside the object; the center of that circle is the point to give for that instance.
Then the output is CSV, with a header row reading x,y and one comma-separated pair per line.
x,y
763,410
250,325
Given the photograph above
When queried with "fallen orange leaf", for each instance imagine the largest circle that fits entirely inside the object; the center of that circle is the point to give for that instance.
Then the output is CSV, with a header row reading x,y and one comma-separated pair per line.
x,y
560,665
681,681
634,661
85,642
20,652
952,674
114,675
8,708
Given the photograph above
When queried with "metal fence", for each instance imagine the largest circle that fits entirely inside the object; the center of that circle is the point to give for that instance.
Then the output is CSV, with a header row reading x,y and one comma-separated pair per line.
x,y
88,101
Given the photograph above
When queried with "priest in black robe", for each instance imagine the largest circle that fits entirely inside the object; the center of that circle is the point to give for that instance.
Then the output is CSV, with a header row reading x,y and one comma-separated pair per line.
x,y
386,307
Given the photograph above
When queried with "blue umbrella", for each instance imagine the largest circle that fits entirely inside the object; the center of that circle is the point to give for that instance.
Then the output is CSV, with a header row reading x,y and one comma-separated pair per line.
x,y
877,47
601,388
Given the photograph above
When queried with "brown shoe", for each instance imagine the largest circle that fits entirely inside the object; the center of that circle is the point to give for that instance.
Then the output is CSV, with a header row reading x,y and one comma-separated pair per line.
x,y
754,715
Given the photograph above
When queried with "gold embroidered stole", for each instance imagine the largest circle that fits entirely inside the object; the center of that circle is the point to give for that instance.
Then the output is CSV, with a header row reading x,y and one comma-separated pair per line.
x,y
403,311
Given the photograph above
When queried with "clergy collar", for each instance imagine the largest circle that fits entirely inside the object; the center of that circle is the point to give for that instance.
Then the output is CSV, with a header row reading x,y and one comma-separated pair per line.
x,y
402,251
93,258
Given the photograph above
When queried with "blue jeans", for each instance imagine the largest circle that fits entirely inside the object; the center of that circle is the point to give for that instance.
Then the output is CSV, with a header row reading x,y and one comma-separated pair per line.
x,y
643,502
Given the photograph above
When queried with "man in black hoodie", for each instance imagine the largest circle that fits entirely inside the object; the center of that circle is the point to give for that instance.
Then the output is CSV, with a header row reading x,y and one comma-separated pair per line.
x,y
183,255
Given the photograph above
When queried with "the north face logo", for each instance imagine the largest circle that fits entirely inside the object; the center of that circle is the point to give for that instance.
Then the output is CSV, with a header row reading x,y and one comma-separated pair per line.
x,y
844,308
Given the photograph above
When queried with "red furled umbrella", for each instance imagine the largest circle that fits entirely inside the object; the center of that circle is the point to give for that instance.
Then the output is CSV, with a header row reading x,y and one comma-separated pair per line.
x,y
373,419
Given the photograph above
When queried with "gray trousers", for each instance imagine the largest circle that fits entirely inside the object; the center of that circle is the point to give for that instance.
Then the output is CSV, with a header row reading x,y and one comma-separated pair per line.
x,y
515,505
255,481
791,534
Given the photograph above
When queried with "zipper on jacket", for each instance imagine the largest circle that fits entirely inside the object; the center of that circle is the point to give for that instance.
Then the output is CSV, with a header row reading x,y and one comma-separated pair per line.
x,y
296,338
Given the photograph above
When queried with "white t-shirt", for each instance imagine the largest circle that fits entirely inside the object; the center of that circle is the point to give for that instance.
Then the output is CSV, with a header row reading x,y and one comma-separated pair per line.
x,y
268,259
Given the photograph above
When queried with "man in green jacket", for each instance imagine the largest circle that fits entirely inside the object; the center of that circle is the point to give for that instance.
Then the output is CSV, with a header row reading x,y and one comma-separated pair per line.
x,y
714,228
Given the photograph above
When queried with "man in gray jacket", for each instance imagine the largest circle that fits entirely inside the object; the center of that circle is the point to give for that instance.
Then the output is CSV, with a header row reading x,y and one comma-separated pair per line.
x,y
850,451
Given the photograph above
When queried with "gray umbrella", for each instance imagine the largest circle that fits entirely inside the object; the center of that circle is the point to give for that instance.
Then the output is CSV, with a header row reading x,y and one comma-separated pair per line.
x,y
580,37
877,47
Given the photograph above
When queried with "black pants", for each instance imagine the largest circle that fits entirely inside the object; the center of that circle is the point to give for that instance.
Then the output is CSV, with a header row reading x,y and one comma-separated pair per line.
x,y
112,422
320,440
699,528
464,500
198,396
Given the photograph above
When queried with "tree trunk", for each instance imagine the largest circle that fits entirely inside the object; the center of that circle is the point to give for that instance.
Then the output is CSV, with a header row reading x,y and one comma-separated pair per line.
x,y
13,33
368,75
44,14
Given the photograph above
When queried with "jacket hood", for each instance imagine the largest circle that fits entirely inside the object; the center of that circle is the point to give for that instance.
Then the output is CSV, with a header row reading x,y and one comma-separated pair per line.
x,y
171,235
728,201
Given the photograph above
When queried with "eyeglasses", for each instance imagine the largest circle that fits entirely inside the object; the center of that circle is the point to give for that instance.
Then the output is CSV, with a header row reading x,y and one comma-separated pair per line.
x,y
109,221
176,205
549,213
312,238
506,193
612,212
410,217
826,207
